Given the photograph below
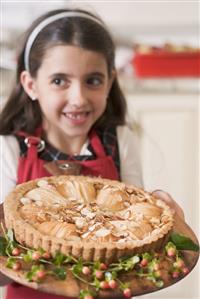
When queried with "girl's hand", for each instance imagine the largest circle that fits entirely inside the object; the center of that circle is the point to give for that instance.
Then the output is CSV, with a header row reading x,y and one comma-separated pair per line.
x,y
170,201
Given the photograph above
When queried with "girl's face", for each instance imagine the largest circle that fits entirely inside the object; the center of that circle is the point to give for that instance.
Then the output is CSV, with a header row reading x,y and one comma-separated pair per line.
x,y
71,86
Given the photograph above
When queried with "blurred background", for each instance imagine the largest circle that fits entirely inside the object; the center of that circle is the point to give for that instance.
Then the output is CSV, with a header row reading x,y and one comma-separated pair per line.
x,y
158,62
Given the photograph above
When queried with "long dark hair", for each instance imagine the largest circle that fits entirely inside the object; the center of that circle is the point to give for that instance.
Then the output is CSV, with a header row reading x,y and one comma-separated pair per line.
x,y
20,112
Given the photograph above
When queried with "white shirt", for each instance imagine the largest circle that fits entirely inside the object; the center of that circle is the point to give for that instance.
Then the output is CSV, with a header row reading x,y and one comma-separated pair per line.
x,y
129,152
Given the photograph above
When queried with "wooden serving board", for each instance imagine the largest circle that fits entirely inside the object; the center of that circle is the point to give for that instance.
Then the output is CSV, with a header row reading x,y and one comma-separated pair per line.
x,y
139,286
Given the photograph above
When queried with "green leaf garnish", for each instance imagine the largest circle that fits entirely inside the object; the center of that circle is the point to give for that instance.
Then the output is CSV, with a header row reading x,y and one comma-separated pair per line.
x,y
147,256
10,235
59,259
159,283
96,284
28,256
125,263
3,245
183,243
130,263
84,293
10,262
77,268
38,269
60,273
32,274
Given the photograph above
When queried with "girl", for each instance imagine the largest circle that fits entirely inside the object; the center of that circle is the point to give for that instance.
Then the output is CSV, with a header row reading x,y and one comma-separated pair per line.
x,y
66,106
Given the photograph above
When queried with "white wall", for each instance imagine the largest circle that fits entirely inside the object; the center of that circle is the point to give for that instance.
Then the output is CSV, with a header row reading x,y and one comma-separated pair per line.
x,y
148,12
141,15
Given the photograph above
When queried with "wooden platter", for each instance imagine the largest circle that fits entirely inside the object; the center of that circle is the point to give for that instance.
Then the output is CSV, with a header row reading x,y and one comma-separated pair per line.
x,y
139,286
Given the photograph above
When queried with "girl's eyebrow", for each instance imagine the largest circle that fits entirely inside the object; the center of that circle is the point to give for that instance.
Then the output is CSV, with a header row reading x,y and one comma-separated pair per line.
x,y
99,74
64,75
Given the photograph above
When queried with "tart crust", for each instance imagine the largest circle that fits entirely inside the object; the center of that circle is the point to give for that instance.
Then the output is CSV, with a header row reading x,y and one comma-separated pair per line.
x,y
98,219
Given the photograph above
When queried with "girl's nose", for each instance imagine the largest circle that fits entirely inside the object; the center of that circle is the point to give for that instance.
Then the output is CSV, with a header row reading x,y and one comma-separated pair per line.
x,y
77,95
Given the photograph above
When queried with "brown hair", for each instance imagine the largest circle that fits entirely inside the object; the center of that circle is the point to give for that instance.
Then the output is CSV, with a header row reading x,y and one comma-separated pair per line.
x,y
19,112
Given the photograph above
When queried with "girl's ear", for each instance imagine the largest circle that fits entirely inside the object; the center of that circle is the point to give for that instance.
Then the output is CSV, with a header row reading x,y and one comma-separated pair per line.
x,y
28,84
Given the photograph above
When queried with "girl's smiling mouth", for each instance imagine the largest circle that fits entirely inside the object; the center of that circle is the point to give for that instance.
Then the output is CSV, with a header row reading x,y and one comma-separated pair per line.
x,y
77,118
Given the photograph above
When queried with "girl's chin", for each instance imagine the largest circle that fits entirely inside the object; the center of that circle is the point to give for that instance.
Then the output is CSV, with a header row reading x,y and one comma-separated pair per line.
x,y
77,126
76,131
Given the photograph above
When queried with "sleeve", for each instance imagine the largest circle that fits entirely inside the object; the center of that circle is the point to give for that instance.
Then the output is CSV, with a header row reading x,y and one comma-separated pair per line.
x,y
130,160
9,157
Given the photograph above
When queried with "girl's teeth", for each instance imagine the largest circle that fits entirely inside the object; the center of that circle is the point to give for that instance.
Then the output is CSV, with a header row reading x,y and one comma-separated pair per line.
x,y
75,116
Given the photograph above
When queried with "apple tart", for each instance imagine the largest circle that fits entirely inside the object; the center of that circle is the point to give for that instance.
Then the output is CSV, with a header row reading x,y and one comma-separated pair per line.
x,y
98,219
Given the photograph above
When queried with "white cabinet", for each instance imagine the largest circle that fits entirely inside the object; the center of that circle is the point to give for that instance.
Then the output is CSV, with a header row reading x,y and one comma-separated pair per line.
x,y
168,129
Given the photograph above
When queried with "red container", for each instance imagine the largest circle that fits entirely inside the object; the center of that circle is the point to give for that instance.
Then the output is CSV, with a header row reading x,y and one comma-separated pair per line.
x,y
167,64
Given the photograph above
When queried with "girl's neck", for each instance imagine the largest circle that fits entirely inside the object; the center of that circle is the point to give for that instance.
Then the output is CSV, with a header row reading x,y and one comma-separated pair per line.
x,y
64,143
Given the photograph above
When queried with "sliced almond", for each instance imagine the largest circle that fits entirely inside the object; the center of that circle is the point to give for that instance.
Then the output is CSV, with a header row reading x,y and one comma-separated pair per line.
x,y
102,232
25,200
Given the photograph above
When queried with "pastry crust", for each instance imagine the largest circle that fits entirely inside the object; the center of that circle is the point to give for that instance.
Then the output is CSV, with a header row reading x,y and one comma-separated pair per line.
x,y
98,219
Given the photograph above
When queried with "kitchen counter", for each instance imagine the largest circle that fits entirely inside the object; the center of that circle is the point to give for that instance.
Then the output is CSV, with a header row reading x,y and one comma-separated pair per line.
x,y
131,84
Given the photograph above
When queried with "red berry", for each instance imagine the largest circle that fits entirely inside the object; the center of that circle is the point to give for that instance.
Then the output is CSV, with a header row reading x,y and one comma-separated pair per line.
x,y
185,270
180,263
175,274
88,297
156,267
112,284
86,270
16,251
104,285
157,274
16,266
98,274
103,266
41,274
36,255
46,255
144,262
127,293
171,252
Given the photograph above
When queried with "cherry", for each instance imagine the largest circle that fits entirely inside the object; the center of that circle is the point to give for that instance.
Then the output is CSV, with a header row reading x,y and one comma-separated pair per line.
x,y
98,274
112,284
86,270
144,262
36,255
103,266
16,251
127,293
104,285
16,266
157,274
156,267
171,252
185,270
46,255
180,263
175,274
41,274
88,297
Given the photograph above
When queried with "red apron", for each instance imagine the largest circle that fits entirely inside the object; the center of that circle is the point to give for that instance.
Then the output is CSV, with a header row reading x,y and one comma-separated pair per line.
x,y
31,167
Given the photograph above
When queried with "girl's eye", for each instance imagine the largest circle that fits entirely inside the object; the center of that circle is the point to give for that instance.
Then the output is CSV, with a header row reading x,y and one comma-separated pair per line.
x,y
58,81
94,81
